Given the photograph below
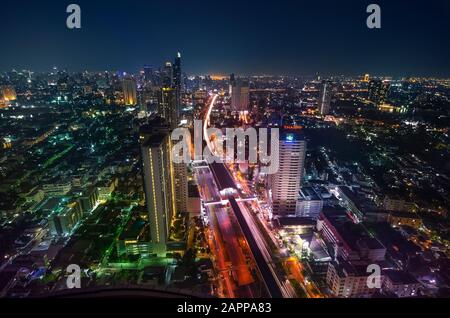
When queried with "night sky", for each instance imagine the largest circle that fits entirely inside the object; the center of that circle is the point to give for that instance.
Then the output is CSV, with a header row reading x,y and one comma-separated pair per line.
x,y
220,37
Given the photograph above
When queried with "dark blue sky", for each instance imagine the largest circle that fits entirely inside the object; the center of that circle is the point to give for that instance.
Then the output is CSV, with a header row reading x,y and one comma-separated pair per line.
x,y
242,36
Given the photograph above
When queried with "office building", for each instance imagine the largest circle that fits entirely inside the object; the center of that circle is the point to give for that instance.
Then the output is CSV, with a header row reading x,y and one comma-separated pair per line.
x,y
168,106
350,241
88,200
56,188
167,75
159,187
177,75
309,203
129,91
285,183
378,91
148,75
346,280
106,187
240,94
64,219
180,174
177,83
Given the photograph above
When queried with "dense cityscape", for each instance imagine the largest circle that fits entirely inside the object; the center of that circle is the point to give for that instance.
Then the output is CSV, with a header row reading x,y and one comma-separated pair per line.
x,y
88,179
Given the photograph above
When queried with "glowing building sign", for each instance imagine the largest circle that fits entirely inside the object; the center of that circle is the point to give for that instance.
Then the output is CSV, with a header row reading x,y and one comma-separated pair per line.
x,y
289,137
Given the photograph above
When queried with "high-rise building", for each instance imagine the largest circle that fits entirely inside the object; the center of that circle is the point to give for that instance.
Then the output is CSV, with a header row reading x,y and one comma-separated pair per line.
x,y
8,93
167,75
309,203
177,82
378,91
240,94
366,78
325,98
286,182
149,74
158,186
168,106
232,83
177,75
129,91
165,182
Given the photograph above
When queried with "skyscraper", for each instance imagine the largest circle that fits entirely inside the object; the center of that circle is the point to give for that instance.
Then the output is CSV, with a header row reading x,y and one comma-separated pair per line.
x,y
378,91
168,106
232,83
177,76
129,91
158,186
285,184
240,94
169,109
165,182
324,98
167,75
177,82
149,75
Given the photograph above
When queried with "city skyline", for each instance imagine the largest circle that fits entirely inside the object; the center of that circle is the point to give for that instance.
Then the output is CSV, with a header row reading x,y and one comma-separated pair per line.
x,y
143,179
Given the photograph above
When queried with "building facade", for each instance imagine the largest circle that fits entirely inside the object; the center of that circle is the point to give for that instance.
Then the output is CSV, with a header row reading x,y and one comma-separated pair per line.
x,y
129,91
285,183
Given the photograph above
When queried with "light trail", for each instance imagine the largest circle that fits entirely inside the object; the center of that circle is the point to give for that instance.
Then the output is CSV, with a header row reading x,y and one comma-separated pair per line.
x,y
282,288
206,123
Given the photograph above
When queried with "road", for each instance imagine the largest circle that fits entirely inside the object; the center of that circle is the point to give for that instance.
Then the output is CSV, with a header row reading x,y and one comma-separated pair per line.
x,y
228,250
276,284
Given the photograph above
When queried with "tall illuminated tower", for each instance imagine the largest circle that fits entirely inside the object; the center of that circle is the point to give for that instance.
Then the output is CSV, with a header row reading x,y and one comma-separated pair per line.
x,y
177,83
129,91
177,76
168,106
158,186
285,184
240,94
167,75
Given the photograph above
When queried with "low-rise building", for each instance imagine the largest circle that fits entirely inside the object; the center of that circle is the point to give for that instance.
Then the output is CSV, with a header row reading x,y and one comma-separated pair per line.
x,y
349,281
350,240
400,283
391,204
309,203
134,240
105,188
64,219
56,188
